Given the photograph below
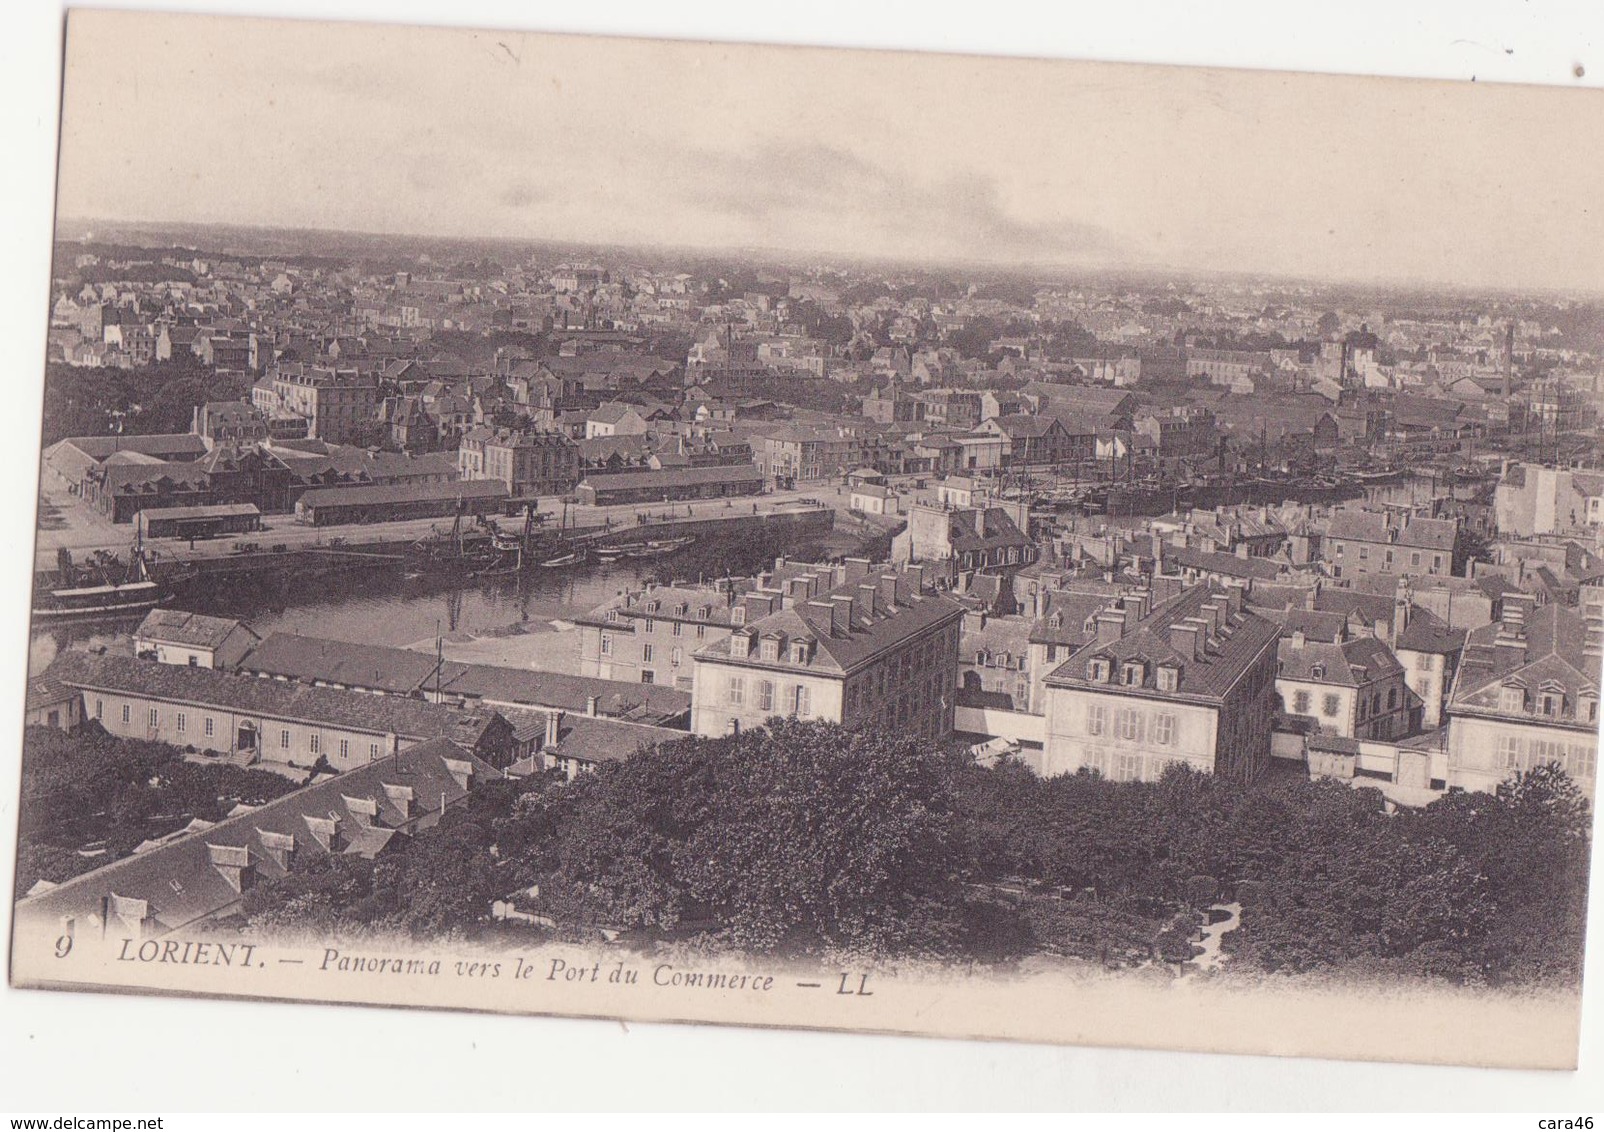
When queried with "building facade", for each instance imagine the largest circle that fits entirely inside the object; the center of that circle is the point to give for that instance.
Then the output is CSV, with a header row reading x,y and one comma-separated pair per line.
x,y
850,644
1191,682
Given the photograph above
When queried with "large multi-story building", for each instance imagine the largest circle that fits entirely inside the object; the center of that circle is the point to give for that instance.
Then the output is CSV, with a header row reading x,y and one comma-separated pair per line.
x,y
960,541
1429,650
850,644
1526,694
1381,542
1355,689
336,403
648,636
1191,682
529,463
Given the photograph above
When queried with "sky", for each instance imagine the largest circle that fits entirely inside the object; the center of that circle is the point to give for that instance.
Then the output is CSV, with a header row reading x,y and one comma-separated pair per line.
x,y
830,152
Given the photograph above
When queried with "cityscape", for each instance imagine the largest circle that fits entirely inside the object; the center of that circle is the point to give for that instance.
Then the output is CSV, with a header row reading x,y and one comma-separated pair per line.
x,y
1140,533
761,546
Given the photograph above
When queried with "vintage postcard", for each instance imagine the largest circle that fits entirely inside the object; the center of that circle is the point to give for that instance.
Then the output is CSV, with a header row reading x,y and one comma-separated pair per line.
x,y
989,548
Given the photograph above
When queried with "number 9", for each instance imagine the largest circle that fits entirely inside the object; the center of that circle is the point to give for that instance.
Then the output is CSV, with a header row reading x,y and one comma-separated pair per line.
x,y
63,946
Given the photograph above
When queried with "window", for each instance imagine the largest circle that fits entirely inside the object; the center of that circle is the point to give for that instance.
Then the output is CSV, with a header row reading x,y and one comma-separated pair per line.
x,y
1512,698
345,748
1330,704
735,691
194,661
1096,719
1392,697
315,744
803,701
181,722
1414,558
154,717
770,649
647,676
650,625
1550,704
701,631
646,652
1169,678
208,726
676,656
1511,753
1436,562
1364,709
1130,724
126,713
284,739
765,695
607,644
1130,766
1164,729
1300,703
100,708
677,628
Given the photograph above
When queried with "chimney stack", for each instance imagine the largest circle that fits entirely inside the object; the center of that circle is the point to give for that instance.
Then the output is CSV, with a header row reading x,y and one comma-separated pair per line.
x,y
888,592
554,720
1186,638
1110,626
841,616
590,706
863,601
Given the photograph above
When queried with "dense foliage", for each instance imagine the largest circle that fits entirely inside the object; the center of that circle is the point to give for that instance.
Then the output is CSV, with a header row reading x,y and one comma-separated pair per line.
x,y
158,398
88,789
804,837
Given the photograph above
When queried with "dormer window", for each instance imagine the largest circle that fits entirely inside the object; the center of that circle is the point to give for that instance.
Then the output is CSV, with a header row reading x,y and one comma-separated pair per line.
x,y
651,606
1317,672
1169,677
1097,670
770,649
1132,673
679,610
612,615
738,615
1056,621
1512,697
703,612
801,650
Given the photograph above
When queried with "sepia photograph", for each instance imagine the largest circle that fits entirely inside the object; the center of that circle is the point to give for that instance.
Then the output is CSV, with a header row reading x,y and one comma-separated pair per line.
x,y
838,539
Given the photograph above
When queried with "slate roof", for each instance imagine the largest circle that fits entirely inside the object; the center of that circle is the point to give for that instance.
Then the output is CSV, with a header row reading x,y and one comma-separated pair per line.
x,y
1371,526
1209,678
1064,622
1426,632
156,444
674,477
1555,656
1219,562
174,626
866,638
1351,664
1001,531
469,491
308,659
180,882
252,695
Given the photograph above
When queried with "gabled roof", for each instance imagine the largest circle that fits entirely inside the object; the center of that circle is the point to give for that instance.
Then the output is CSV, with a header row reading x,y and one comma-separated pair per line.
x,y
1351,664
253,695
1064,622
174,626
